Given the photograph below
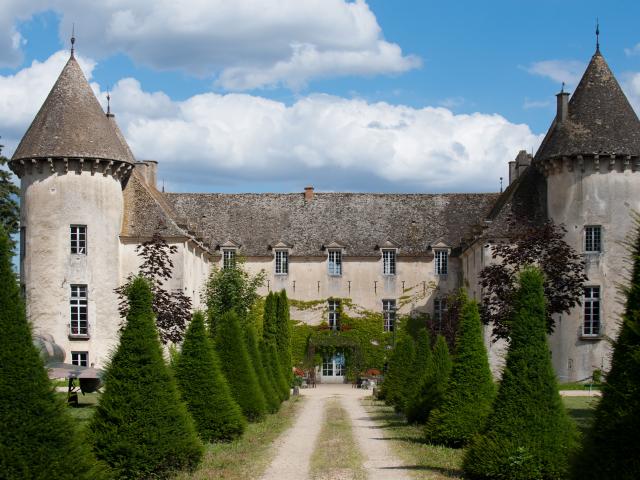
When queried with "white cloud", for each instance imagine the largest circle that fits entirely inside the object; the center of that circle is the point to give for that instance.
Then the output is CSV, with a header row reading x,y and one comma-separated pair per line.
x,y
631,87
567,71
245,43
529,104
635,50
336,143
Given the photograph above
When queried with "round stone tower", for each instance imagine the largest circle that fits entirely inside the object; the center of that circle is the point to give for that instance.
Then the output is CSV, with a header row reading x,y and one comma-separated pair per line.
x,y
72,163
591,160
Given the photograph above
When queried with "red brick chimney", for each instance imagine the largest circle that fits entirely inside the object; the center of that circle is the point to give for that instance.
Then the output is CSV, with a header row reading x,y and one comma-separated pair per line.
x,y
308,193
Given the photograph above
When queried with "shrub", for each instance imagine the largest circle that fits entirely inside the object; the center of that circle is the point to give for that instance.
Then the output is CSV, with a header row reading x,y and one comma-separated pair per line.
x,y
470,390
283,335
238,368
399,373
141,427
612,446
421,366
204,388
270,335
37,436
271,397
528,434
434,382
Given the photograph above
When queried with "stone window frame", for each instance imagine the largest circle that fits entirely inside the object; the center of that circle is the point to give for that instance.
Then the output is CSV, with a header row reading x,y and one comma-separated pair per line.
x,y
337,270
389,311
229,256
390,265
333,314
78,239
77,358
591,233
592,329
281,259
441,261
79,311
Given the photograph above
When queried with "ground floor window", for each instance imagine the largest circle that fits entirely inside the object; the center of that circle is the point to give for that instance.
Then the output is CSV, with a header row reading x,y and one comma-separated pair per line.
x,y
334,365
80,358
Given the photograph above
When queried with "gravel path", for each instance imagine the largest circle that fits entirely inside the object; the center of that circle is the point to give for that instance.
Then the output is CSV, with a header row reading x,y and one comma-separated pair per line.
x,y
295,447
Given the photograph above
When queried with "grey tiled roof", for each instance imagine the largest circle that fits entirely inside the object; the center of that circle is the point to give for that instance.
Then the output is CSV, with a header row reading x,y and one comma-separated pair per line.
x,y
600,121
358,221
71,123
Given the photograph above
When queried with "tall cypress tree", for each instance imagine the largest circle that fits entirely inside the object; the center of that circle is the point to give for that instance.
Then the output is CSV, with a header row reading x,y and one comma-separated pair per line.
x,y
470,389
141,427
238,368
421,366
270,333
434,382
204,388
612,446
270,395
528,434
37,436
399,372
283,334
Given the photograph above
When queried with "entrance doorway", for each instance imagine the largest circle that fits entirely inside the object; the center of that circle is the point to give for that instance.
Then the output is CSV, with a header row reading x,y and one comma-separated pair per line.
x,y
333,368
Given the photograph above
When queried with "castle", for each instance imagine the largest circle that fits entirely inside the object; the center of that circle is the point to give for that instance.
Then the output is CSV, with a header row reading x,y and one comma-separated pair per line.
x,y
86,203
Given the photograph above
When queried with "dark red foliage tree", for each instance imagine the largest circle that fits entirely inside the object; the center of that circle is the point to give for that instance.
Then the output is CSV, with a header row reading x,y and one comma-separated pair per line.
x,y
541,245
172,308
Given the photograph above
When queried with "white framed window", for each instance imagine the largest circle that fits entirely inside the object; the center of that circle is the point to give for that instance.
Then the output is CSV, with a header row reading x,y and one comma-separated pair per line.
x,y
333,314
228,258
593,239
388,261
282,262
591,305
327,366
78,302
439,311
335,262
80,358
442,262
389,315
79,239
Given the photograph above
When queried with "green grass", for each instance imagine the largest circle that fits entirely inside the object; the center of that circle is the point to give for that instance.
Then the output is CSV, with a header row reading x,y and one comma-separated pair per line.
x,y
581,410
86,406
578,386
336,454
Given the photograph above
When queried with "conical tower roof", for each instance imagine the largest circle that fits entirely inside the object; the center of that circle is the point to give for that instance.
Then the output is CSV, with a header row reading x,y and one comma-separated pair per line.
x,y
72,124
600,119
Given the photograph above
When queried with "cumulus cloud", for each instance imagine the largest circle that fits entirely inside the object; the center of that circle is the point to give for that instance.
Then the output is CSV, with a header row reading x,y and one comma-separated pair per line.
x,y
635,50
209,141
567,71
246,44
631,86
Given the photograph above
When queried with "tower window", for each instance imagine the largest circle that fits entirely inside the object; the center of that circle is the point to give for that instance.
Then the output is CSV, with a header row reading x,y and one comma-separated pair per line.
x,y
79,239
282,262
593,239
79,323
335,262
228,258
389,315
23,242
80,358
591,326
388,262
334,314
442,262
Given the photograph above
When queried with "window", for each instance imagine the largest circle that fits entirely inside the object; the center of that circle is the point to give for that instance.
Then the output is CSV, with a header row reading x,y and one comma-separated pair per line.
x,y
327,366
389,314
593,239
228,258
439,311
334,314
79,325
388,262
335,262
591,304
80,358
79,239
282,262
23,242
442,262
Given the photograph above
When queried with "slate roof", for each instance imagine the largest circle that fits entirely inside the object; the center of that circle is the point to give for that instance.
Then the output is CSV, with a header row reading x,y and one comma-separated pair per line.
x,y
71,123
600,119
359,222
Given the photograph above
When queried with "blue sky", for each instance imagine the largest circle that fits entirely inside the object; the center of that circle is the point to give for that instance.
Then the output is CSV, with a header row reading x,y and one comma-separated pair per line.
x,y
415,96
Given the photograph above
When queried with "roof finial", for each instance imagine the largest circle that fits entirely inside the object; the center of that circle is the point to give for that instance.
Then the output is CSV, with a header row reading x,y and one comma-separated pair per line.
x,y
562,89
73,37
500,184
597,35
108,104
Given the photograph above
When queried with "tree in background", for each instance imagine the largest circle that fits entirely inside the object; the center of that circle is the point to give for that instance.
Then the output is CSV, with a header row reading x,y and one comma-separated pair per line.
x,y
612,446
204,388
283,334
270,341
529,433
544,246
238,368
172,309
9,193
421,366
470,390
270,395
37,436
399,372
141,427
434,382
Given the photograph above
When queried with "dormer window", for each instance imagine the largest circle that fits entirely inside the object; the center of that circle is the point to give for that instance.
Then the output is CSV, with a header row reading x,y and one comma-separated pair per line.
x,y
228,258
282,262
442,262
79,239
388,261
335,262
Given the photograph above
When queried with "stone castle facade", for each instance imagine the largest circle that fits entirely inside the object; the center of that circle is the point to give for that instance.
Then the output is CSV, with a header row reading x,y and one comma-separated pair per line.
x,y
87,203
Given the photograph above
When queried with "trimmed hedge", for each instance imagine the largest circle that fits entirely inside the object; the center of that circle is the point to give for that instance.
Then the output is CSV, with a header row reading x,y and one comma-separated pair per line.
x,y
270,395
238,368
434,383
399,373
612,446
37,436
528,435
421,366
283,335
141,427
204,388
470,390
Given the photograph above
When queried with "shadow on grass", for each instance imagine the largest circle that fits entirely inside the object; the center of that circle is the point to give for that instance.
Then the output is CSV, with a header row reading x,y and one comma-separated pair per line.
x,y
448,472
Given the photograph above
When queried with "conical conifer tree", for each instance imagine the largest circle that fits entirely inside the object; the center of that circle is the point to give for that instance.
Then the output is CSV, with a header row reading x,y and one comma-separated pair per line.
x,y
204,387
421,366
270,333
399,372
141,427
238,368
434,382
528,434
470,390
270,395
283,334
37,436
612,446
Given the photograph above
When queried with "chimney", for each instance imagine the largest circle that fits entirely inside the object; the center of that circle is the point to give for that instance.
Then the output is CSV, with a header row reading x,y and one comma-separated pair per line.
x,y
563,106
149,171
512,171
308,194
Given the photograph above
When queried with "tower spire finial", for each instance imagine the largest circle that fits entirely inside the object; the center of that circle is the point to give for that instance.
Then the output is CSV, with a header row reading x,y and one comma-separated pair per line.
x,y
73,37
597,35
108,103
